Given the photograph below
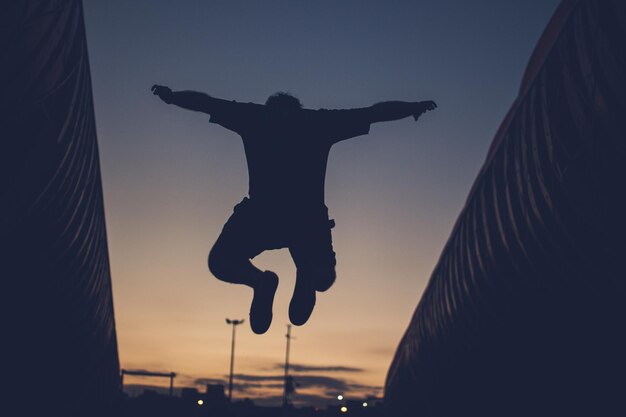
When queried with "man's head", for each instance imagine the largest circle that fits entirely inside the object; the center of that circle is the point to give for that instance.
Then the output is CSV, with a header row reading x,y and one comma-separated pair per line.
x,y
283,101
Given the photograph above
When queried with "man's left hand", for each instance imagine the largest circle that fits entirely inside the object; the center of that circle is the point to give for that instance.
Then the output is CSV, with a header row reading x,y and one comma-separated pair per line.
x,y
424,106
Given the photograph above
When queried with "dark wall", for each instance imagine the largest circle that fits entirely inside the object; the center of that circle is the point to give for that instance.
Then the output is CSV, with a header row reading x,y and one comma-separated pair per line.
x,y
58,331
525,312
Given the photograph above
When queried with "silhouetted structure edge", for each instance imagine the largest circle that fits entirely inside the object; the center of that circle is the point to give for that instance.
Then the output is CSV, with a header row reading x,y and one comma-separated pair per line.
x,y
59,326
525,311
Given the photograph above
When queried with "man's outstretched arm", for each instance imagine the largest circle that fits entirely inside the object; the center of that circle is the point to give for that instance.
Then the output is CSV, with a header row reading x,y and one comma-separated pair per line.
x,y
190,100
350,123
395,110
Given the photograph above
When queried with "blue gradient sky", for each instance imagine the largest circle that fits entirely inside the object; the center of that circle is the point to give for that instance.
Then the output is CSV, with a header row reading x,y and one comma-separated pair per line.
x,y
171,178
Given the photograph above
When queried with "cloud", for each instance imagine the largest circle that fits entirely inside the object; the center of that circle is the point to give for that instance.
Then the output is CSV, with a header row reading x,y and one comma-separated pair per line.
x,y
145,371
299,400
242,387
250,377
312,368
304,381
317,389
206,381
328,384
324,382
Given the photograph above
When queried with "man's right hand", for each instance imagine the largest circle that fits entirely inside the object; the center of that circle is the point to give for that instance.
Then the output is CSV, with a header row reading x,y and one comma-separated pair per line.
x,y
422,107
164,93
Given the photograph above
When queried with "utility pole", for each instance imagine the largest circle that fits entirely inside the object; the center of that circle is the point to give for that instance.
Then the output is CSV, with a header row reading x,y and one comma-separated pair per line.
x,y
233,323
287,388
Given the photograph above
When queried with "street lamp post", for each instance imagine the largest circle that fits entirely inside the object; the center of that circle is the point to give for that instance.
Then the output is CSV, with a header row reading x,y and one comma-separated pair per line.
x,y
233,323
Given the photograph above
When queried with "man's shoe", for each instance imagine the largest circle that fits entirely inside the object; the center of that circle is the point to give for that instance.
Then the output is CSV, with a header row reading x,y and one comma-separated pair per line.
x,y
302,301
262,302
324,281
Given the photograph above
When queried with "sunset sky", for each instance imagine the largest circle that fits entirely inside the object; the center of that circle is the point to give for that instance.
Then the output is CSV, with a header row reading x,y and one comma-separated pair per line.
x,y
171,179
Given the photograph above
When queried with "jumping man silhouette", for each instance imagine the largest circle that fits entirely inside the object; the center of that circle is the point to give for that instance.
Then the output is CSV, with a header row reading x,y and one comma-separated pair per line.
x,y
286,149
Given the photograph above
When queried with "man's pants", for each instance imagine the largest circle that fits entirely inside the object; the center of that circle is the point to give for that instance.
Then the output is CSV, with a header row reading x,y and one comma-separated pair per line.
x,y
253,228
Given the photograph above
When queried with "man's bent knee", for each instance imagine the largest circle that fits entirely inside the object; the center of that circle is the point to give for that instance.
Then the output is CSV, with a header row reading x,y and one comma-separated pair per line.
x,y
218,263
230,266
